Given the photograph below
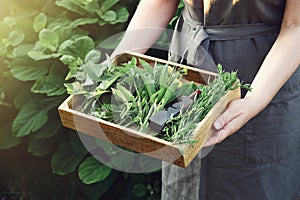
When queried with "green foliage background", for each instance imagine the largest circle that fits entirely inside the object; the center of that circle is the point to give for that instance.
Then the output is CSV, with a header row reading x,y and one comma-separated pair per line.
x,y
41,41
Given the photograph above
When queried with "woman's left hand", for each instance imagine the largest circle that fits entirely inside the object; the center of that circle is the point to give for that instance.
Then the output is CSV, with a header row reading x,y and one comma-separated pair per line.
x,y
232,119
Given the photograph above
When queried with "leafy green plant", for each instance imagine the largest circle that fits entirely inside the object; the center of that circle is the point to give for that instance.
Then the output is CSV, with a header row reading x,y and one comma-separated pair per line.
x,y
41,43
179,129
136,91
135,87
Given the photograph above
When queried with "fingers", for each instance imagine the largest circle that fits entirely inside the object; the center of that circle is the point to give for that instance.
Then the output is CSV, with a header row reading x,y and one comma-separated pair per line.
x,y
233,118
227,130
230,128
229,114
213,139
228,123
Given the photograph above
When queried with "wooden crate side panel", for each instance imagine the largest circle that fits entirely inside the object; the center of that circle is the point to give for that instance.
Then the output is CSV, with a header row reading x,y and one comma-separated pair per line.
x,y
117,135
204,129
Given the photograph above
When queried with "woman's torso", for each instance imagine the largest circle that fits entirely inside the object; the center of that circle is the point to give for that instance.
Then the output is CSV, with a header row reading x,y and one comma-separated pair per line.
x,y
224,12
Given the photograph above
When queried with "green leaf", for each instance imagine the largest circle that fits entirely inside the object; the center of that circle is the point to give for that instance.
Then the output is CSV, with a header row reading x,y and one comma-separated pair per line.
x,y
68,60
108,82
27,73
75,88
39,55
126,93
147,67
163,78
109,16
40,22
70,5
139,190
65,32
16,38
52,102
11,21
22,98
122,15
71,74
66,159
78,47
107,4
92,171
118,95
52,85
57,67
22,50
48,130
30,118
93,71
83,21
39,147
76,143
49,39
93,56
7,140
86,2
91,6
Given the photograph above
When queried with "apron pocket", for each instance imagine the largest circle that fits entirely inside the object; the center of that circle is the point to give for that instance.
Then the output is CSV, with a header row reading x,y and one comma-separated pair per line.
x,y
274,134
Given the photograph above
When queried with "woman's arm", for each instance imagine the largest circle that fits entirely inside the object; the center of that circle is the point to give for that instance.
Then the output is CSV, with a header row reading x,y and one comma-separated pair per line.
x,y
282,60
149,21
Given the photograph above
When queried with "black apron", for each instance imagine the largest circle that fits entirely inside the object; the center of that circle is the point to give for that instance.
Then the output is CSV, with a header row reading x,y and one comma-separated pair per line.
x,y
260,161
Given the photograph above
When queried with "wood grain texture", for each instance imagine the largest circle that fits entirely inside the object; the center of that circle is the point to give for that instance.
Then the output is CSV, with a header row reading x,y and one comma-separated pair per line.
x,y
142,142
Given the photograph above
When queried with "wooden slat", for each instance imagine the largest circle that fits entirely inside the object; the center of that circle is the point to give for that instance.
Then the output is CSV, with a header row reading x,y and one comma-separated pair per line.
x,y
116,134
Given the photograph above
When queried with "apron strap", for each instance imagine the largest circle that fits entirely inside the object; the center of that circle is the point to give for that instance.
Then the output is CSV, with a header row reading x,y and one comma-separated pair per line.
x,y
194,46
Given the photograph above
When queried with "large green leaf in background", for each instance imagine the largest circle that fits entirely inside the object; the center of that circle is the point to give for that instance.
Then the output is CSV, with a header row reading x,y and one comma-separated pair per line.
x,y
139,190
40,22
109,16
77,48
28,73
83,21
52,85
49,39
48,130
107,4
30,118
22,50
70,5
7,140
42,141
68,156
39,147
16,38
92,171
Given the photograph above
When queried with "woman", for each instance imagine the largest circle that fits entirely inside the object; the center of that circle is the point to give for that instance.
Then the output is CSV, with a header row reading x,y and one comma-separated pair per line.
x,y
258,136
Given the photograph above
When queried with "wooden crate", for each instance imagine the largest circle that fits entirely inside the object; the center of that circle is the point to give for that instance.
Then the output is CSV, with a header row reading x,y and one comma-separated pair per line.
x,y
142,142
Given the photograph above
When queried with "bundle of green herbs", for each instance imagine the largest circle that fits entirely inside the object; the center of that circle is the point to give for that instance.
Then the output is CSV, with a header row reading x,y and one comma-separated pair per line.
x,y
131,93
